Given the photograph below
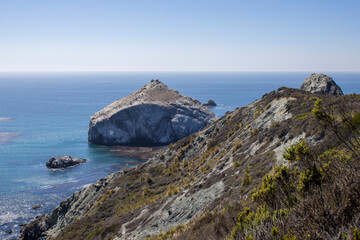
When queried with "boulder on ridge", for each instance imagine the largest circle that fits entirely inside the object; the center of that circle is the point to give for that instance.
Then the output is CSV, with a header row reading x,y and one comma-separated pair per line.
x,y
321,83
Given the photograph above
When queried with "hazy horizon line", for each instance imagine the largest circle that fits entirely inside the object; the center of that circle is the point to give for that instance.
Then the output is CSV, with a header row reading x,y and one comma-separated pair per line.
x,y
184,71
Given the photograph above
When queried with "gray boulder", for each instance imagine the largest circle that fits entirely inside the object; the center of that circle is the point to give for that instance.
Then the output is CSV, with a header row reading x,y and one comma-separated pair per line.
x,y
154,115
64,162
321,83
210,103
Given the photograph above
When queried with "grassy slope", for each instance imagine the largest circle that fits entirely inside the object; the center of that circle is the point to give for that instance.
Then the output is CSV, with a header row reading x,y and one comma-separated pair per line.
x,y
221,152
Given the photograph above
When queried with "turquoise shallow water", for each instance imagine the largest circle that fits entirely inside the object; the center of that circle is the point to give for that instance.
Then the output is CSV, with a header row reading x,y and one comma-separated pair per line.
x,y
50,115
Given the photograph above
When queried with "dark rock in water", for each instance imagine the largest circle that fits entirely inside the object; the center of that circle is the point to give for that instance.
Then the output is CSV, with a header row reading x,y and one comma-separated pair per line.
x,y
210,103
152,116
321,83
9,231
36,228
64,162
36,206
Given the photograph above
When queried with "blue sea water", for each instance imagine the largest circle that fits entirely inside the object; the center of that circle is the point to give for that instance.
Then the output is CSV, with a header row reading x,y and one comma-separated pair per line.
x,y
49,116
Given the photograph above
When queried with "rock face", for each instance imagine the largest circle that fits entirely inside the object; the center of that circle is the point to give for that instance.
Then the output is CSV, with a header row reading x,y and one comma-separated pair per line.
x,y
154,115
321,83
64,162
210,103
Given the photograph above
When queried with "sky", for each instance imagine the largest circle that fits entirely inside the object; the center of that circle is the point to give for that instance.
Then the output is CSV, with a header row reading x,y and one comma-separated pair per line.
x,y
179,35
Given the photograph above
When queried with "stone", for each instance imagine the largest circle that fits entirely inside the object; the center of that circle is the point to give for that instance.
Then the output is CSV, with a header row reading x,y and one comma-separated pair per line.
x,y
64,162
210,103
36,207
9,231
36,228
321,83
155,115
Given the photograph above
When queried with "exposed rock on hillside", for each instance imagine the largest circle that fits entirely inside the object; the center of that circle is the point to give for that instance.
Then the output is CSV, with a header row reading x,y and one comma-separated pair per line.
x,y
198,175
64,162
321,83
197,186
153,115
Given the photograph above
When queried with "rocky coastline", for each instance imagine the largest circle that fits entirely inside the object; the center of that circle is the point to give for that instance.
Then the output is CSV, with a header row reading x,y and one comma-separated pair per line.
x,y
181,183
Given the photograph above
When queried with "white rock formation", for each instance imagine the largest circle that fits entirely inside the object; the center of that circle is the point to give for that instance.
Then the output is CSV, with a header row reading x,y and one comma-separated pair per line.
x,y
320,83
153,115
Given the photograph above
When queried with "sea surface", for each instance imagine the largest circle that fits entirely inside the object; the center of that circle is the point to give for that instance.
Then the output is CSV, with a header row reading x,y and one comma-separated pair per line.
x,y
47,114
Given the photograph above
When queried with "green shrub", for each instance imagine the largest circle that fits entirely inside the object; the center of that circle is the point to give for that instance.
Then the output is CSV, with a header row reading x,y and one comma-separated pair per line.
x,y
274,232
312,176
319,112
249,221
246,179
296,153
356,235
267,188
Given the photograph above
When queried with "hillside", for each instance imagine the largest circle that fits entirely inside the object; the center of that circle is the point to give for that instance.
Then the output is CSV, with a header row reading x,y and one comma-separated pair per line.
x,y
231,180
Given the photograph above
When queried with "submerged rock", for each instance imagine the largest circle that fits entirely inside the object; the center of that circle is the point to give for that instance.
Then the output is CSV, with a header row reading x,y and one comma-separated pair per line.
x,y
152,116
321,83
64,162
210,103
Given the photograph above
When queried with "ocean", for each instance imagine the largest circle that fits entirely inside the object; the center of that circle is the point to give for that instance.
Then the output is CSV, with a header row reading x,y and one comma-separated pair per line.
x,y
47,114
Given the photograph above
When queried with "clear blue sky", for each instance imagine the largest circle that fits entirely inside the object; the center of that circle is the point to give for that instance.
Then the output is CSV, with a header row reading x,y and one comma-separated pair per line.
x,y
179,35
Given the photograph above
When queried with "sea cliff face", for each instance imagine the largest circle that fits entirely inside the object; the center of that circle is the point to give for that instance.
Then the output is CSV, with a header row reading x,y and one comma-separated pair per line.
x,y
153,115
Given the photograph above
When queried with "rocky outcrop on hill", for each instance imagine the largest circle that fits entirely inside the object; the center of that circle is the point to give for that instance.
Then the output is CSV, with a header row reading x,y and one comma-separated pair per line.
x,y
153,115
209,103
64,162
196,187
321,83
209,171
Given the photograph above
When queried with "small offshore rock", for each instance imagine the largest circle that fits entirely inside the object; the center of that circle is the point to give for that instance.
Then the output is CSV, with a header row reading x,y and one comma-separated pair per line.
x,y
210,103
9,231
321,83
64,162
36,206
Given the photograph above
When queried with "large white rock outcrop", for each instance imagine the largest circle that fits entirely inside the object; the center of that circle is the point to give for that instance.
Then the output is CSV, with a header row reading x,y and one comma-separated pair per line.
x,y
153,115
321,83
